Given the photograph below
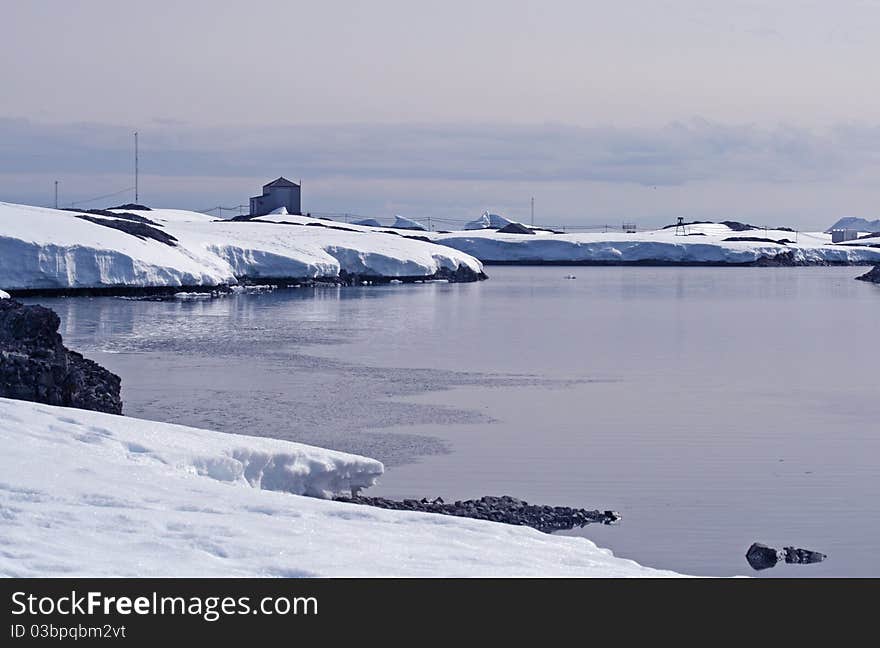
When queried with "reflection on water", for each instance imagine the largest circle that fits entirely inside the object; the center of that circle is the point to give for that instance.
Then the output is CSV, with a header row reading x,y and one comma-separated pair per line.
x,y
713,407
249,364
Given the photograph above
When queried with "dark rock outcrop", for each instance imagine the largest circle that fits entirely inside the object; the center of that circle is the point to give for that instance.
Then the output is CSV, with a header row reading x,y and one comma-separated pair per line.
x,y
759,239
136,228
506,509
688,223
462,274
515,228
109,214
873,275
736,226
134,206
36,366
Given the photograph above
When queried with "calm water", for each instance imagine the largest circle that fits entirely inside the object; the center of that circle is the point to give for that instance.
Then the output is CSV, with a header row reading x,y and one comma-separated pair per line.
x,y
711,407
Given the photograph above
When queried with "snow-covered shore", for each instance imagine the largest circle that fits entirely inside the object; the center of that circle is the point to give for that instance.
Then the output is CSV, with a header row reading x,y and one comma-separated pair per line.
x,y
49,249
90,494
709,243
695,244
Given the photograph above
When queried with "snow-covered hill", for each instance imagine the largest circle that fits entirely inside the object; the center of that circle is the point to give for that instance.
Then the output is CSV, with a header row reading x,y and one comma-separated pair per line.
x,y
858,224
90,494
55,249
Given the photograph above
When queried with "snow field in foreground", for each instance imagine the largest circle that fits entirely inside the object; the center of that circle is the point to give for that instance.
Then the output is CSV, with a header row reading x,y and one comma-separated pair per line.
x,y
90,494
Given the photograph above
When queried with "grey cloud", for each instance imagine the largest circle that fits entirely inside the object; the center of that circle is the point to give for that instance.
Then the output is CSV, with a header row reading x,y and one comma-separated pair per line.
x,y
679,153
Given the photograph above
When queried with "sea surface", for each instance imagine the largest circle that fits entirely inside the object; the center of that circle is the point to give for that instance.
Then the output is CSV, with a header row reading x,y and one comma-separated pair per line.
x,y
711,407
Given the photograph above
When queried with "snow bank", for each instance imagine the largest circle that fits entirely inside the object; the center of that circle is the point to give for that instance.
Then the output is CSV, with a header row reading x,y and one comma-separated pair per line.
x,y
867,241
55,249
4,295
706,243
257,462
89,494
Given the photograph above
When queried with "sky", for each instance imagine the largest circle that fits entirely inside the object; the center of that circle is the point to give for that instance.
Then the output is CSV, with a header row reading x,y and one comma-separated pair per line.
x,y
637,111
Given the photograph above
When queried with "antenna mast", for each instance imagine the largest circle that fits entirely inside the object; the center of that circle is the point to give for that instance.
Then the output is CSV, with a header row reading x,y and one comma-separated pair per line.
x,y
533,210
56,194
135,167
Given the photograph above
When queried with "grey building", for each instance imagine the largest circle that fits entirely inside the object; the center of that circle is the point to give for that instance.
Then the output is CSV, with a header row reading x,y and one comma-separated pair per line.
x,y
278,193
841,235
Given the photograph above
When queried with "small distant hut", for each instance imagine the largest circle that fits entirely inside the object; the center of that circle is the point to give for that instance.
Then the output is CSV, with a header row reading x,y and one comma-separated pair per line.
x,y
277,194
842,235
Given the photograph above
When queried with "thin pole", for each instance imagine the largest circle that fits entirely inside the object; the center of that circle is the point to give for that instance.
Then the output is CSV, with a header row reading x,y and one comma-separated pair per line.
x,y
533,210
56,194
135,167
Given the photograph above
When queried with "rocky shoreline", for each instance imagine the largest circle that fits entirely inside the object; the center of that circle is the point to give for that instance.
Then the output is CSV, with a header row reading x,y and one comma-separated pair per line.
x,y
36,366
505,509
784,260
873,276
461,275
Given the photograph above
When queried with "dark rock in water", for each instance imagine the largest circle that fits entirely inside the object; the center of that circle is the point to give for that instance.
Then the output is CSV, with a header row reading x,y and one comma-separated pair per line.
x,y
506,509
36,366
802,556
761,556
873,275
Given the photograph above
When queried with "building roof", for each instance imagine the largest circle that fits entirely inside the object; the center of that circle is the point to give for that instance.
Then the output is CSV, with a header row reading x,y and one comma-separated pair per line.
x,y
280,182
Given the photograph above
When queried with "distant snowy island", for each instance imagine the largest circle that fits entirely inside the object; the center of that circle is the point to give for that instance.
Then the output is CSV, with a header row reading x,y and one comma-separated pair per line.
x,y
703,244
717,244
